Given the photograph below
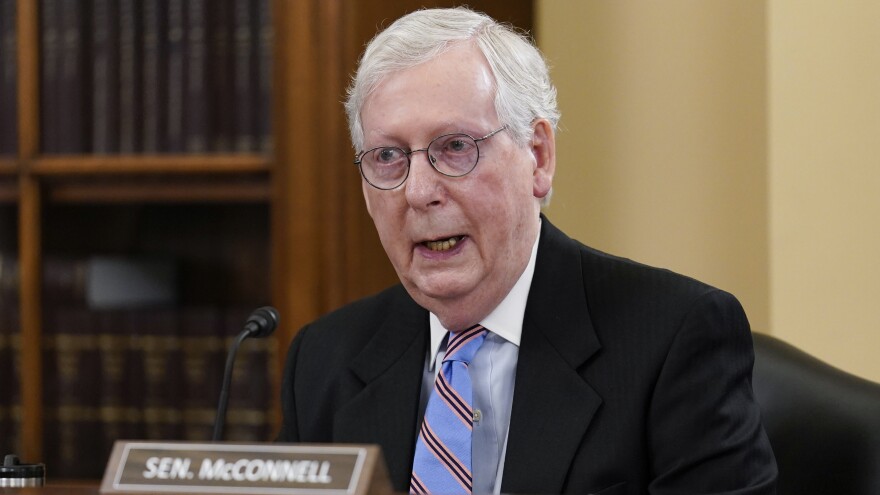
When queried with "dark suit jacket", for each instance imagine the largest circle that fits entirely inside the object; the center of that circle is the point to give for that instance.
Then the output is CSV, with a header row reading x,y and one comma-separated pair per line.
x,y
630,379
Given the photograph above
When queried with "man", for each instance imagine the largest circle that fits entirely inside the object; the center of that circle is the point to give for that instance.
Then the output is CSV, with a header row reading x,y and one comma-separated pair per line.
x,y
584,372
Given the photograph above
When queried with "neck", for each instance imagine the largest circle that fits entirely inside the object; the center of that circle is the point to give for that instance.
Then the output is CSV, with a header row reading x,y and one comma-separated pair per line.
x,y
460,313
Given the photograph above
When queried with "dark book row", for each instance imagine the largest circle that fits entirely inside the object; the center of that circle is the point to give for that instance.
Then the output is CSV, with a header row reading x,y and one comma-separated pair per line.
x,y
8,82
146,374
10,374
150,373
155,76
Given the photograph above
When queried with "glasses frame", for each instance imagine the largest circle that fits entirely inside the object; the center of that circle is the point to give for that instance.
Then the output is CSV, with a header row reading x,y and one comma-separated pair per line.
x,y
358,159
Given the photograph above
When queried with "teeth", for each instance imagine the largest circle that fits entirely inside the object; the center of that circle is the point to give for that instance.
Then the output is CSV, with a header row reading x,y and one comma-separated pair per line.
x,y
443,245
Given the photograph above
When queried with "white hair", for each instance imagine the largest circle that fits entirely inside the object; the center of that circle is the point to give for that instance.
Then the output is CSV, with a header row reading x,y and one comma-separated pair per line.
x,y
523,90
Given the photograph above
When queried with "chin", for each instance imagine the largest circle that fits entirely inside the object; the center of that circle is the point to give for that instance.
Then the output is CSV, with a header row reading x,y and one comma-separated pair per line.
x,y
433,296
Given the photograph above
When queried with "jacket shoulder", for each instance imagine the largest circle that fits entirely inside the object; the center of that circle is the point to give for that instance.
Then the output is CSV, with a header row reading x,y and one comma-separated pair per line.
x,y
622,277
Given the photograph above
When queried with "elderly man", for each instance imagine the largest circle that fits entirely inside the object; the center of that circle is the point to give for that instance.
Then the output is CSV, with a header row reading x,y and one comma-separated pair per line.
x,y
511,358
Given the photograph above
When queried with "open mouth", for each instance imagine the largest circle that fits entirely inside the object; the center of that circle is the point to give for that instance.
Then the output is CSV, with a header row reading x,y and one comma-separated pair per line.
x,y
443,244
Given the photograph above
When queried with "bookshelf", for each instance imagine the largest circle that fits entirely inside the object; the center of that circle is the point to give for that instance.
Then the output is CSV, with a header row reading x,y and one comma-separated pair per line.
x,y
284,225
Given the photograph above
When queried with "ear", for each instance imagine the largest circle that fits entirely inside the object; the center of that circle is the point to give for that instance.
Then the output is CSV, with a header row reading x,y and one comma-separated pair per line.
x,y
543,148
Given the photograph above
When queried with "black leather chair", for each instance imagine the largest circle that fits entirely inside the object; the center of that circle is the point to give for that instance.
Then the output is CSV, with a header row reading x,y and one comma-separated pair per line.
x,y
823,423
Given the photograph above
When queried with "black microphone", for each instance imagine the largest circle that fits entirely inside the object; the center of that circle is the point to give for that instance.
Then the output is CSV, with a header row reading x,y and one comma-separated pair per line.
x,y
261,323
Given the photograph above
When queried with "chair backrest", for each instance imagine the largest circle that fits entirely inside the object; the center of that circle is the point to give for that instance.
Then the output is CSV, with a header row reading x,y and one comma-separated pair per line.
x,y
823,423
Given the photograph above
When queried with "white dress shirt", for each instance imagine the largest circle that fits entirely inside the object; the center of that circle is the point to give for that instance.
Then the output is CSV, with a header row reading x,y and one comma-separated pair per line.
x,y
493,373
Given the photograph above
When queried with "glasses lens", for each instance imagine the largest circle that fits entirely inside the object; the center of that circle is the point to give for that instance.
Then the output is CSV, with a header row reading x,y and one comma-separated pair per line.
x,y
384,168
454,154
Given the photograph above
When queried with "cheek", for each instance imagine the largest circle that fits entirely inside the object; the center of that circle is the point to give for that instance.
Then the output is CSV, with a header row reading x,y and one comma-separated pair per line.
x,y
368,198
377,203
384,211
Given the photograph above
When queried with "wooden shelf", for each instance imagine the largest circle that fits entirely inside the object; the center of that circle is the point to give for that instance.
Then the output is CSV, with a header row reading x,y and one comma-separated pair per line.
x,y
8,192
165,191
51,165
8,166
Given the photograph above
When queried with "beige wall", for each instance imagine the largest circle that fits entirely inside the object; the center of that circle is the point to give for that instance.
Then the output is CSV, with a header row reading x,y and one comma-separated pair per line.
x,y
662,143
824,178
689,140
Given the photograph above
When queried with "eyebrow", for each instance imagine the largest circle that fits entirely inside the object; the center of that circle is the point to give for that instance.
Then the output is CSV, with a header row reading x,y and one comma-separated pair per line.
x,y
451,128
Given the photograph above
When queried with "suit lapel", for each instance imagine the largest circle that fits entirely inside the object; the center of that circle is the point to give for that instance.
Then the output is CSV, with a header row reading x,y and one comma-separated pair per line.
x,y
385,412
552,405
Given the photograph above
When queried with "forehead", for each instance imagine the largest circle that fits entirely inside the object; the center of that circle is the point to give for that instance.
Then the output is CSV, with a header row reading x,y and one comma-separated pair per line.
x,y
454,91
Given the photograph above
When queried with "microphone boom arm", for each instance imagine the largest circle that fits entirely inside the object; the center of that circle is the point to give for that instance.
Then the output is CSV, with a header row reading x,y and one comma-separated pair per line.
x,y
261,323
224,390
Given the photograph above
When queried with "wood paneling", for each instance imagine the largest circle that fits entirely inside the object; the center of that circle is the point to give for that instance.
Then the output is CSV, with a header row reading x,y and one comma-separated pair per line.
x,y
29,230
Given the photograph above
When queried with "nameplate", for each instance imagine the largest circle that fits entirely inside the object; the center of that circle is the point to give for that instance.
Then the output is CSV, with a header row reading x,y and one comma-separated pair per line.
x,y
257,469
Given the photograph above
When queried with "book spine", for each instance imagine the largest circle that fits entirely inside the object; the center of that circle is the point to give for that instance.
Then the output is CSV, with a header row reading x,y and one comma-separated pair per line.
x,y
71,390
222,77
204,356
244,69
119,419
8,278
8,83
105,74
264,62
135,374
176,56
129,77
10,400
154,87
9,369
73,88
64,281
50,69
196,101
159,342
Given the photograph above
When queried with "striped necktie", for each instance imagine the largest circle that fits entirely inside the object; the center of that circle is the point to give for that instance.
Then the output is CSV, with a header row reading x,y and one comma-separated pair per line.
x,y
442,464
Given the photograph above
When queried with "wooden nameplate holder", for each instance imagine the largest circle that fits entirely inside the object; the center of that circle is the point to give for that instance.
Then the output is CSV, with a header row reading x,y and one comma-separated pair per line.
x,y
253,469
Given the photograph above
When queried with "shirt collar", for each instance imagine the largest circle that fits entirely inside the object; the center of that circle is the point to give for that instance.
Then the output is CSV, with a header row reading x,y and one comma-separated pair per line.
x,y
506,319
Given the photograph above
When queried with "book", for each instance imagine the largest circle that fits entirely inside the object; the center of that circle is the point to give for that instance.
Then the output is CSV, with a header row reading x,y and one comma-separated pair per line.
x,y
154,75
222,76
74,101
204,356
10,397
129,330
8,83
71,391
50,69
129,76
122,378
156,338
8,277
10,371
176,76
118,418
105,76
64,280
245,71
265,36
196,102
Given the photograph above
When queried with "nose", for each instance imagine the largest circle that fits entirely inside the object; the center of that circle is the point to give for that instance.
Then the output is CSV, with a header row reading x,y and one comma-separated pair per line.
x,y
424,186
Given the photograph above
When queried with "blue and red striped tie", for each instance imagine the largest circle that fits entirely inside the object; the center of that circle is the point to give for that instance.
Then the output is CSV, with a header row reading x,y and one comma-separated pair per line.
x,y
442,464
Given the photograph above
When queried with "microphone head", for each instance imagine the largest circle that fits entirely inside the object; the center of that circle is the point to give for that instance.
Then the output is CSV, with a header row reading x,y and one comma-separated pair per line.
x,y
262,322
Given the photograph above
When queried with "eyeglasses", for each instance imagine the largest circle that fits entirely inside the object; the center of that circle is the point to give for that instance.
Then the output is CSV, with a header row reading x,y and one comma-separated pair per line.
x,y
453,155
